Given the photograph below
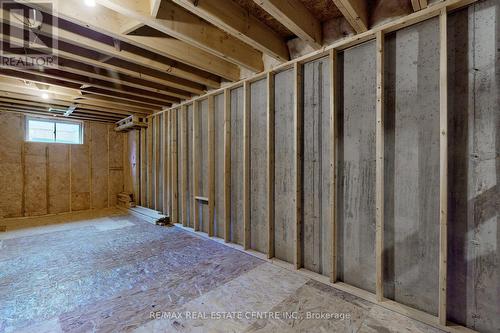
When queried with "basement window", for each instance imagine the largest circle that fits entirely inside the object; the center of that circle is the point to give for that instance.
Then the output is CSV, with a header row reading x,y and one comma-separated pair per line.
x,y
53,131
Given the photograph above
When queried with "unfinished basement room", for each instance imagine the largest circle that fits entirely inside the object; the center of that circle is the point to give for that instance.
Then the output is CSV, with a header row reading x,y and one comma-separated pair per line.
x,y
257,166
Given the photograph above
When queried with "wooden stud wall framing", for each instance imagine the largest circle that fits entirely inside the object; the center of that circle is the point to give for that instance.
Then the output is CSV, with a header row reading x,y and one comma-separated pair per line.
x,y
334,163
298,124
211,165
196,164
175,190
143,167
246,166
165,163
184,164
443,164
227,165
270,165
379,182
377,33
150,163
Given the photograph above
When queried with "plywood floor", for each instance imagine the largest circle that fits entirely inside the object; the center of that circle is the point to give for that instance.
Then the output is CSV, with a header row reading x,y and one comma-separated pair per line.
x,y
117,273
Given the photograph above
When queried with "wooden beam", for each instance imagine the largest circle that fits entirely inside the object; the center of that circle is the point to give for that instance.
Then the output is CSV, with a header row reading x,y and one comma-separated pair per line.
x,y
227,165
295,16
157,169
232,18
168,166
270,164
143,167
355,12
423,4
196,164
334,103
175,169
416,5
110,23
443,165
379,183
154,7
246,166
150,163
165,163
211,165
298,123
45,31
180,24
184,164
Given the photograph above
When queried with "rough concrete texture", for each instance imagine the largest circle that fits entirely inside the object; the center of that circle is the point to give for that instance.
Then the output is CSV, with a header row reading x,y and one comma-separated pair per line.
x,y
317,171
412,166
284,178
237,166
356,219
203,160
190,195
258,165
219,166
474,166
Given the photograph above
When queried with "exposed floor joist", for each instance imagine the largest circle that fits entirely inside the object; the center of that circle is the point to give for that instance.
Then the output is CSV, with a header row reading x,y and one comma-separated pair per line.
x,y
181,24
230,17
355,12
295,16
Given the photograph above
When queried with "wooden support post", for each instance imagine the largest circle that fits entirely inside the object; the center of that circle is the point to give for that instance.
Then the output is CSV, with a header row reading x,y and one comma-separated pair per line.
x,y
143,168
150,162
196,164
379,182
157,153
227,165
270,165
334,158
443,164
184,166
165,163
246,166
91,169
211,165
168,162
298,115
175,169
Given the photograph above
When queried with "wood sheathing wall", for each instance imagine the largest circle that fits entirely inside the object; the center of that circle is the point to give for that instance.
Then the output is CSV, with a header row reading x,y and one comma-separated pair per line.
x,y
50,178
411,221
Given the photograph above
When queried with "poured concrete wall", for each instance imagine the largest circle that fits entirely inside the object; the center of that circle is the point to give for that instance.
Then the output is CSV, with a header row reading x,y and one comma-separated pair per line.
x,y
284,178
237,165
219,165
317,224
356,216
474,167
258,165
35,177
412,166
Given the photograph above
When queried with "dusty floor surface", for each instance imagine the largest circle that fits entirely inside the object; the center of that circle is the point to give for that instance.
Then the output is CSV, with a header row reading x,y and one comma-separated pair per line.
x,y
118,273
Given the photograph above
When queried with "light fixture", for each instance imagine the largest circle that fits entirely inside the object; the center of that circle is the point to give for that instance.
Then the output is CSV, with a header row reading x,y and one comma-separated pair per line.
x,y
45,95
89,3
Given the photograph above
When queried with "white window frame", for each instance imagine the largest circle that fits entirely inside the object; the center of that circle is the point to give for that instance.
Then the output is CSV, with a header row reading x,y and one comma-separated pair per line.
x,y
54,121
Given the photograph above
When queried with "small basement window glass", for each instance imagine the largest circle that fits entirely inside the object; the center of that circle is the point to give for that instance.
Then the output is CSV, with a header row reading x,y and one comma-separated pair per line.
x,y
55,131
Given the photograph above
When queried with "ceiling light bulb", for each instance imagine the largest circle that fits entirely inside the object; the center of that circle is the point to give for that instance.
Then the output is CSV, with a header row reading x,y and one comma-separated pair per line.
x,y
45,95
90,3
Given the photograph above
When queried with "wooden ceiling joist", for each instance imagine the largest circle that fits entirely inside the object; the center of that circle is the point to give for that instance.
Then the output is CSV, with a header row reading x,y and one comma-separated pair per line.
x,y
418,4
235,20
68,37
355,12
93,98
183,25
108,22
295,16
47,114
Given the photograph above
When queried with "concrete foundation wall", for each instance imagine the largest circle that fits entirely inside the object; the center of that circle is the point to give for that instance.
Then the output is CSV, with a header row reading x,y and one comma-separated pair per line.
x,y
285,180
356,215
35,177
237,165
317,225
412,166
474,166
258,165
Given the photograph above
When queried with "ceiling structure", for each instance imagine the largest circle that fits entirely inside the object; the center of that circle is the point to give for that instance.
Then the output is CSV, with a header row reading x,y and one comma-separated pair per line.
x,y
121,57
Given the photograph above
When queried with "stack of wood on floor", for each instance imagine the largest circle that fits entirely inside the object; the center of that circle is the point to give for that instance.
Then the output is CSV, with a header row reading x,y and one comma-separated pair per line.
x,y
126,200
